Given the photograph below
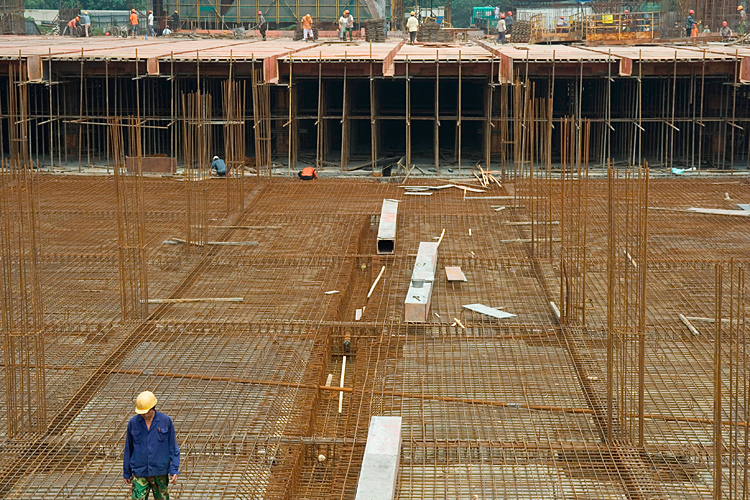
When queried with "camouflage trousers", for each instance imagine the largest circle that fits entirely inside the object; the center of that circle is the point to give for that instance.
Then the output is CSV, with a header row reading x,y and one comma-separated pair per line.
x,y
157,484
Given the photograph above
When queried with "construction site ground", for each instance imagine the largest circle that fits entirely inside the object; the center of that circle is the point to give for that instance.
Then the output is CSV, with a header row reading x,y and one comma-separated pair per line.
x,y
491,408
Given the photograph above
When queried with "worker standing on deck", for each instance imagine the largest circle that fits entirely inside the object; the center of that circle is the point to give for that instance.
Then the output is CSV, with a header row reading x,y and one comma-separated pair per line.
x,y
497,13
689,22
509,23
307,31
262,24
219,165
72,26
307,174
346,25
133,22
152,457
626,20
86,21
412,25
176,21
349,25
743,20
501,29
725,31
151,23
561,26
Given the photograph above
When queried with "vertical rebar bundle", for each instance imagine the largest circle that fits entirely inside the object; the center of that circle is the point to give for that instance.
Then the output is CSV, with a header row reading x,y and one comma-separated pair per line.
x,y
196,109
22,305
22,302
262,117
627,257
573,218
131,219
234,142
731,366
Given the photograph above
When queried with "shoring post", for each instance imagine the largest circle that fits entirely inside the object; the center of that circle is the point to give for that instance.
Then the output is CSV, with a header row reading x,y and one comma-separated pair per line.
x,y
106,104
80,110
735,83
290,118
458,122
488,118
436,127
408,118
319,121
344,122
550,109
672,125
51,122
373,122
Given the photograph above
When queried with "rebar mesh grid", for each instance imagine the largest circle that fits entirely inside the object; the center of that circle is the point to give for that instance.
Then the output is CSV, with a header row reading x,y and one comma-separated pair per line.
x,y
491,408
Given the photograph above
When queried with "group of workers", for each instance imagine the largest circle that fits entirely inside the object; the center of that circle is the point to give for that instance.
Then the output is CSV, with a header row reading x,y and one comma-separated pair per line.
x,y
220,167
133,23
345,25
504,25
691,25
73,25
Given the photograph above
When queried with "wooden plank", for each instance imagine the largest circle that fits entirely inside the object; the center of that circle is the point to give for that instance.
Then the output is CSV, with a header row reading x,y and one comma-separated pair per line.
x,y
193,300
454,273
489,311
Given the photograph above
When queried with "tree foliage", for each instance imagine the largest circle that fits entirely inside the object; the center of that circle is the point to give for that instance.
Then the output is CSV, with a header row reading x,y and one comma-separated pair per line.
x,y
461,12
85,4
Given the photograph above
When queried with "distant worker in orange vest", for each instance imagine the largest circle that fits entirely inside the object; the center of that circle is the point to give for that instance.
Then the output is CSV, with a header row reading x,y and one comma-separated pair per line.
x,y
133,22
308,174
694,31
72,26
307,31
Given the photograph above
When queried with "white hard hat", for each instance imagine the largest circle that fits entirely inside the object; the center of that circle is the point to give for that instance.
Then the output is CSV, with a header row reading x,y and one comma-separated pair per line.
x,y
216,157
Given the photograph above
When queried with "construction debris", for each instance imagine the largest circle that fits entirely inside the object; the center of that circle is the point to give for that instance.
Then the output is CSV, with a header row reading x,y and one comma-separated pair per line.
x,y
194,300
454,273
689,325
489,311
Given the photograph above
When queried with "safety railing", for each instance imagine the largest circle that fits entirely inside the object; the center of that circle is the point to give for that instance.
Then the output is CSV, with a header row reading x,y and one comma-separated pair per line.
x,y
621,26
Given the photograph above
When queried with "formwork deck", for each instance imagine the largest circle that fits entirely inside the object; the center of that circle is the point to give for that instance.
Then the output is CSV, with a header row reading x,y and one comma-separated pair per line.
x,y
61,48
493,410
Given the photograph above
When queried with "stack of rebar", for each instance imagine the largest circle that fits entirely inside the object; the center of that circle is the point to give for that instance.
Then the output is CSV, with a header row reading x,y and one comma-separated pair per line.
x,y
521,31
429,31
375,30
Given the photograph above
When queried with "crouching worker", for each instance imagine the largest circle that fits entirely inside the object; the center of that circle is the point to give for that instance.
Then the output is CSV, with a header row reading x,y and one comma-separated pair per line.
x,y
308,174
220,167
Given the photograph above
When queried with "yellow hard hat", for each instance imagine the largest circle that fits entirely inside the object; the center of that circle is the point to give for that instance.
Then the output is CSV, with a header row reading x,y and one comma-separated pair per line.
x,y
144,402
739,7
412,13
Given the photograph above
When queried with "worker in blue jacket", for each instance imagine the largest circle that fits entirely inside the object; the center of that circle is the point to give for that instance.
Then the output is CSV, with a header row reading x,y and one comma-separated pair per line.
x,y
689,22
152,457
219,165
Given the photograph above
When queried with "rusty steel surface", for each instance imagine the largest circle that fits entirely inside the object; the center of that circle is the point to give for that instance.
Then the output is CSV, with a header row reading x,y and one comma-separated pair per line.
x,y
491,408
